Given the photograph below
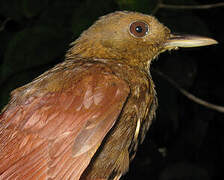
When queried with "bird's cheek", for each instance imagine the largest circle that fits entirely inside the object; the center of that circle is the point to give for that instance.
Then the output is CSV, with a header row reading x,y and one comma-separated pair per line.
x,y
116,45
107,43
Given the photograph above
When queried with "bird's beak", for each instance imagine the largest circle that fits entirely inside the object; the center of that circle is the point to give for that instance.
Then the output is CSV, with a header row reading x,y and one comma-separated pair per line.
x,y
176,41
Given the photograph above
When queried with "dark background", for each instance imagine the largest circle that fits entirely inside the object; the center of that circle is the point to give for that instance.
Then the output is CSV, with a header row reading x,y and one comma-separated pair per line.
x,y
186,139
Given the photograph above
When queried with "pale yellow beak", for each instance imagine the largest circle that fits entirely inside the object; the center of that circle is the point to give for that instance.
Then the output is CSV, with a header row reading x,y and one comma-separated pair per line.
x,y
176,41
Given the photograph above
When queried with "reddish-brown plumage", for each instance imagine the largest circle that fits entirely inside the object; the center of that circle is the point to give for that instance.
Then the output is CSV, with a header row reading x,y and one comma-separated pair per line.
x,y
83,118
61,123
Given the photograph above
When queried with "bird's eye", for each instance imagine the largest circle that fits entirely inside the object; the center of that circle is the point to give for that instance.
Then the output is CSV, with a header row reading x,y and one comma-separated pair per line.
x,y
139,28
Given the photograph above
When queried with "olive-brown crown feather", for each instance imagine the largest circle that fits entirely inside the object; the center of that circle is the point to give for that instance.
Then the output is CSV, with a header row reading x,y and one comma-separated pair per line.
x,y
129,36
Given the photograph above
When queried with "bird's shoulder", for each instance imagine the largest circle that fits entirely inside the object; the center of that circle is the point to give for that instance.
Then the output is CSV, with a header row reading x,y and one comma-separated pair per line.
x,y
63,115
70,89
62,77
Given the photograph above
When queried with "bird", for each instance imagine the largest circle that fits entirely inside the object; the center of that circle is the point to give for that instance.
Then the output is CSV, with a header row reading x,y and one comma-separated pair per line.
x,y
85,117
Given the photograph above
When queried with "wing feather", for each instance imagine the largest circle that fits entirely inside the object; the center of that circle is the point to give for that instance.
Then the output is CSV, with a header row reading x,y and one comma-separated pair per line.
x,y
56,134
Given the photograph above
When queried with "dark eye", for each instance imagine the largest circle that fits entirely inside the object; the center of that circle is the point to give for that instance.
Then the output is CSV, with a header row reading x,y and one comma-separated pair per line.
x,y
139,29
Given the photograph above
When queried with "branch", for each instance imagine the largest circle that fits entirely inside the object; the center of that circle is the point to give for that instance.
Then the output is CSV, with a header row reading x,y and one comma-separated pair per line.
x,y
154,11
191,96
160,4
2,26
205,6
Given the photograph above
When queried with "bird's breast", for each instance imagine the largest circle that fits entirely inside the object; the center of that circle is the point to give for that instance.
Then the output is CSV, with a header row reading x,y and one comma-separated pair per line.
x,y
120,145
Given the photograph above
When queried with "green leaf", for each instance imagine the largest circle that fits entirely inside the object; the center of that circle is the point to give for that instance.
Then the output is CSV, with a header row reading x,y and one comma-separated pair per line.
x,y
33,8
58,13
16,81
144,6
33,47
88,12
11,8
180,2
17,9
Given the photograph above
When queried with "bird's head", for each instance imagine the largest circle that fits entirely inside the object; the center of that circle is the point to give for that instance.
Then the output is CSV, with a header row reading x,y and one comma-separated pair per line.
x,y
131,37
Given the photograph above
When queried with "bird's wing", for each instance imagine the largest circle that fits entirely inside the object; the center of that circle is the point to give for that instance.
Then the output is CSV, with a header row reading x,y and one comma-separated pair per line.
x,y
55,135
